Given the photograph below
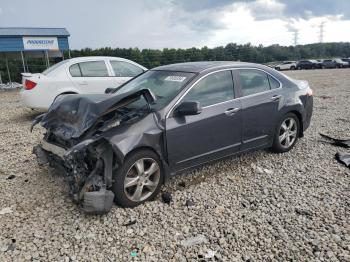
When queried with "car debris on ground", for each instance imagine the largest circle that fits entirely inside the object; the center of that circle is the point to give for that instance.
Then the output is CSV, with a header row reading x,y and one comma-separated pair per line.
x,y
166,198
343,158
132,222
337,142
189,203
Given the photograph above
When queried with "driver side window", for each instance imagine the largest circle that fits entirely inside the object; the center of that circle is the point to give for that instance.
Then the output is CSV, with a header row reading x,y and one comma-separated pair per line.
x,y
212,89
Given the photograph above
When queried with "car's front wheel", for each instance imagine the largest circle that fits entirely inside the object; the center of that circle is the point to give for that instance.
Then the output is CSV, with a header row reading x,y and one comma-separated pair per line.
x,y
139,179
287,133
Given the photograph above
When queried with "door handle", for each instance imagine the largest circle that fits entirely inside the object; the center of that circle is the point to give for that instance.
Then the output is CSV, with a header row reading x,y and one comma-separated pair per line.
x,y
83,83
275,97
231,111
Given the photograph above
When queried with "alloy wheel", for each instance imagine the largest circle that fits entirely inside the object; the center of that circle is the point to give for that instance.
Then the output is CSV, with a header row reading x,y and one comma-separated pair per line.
x,y
142,179
288,132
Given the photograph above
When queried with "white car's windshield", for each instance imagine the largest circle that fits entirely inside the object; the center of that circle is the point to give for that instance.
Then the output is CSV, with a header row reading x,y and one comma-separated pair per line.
x,y
165,85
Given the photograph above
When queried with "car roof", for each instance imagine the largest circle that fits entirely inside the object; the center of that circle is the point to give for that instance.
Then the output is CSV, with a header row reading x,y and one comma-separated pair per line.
x,y
197,67
93,58
89,58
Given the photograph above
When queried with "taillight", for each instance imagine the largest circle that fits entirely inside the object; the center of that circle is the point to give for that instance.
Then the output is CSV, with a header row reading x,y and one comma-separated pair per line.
x,y
310,92
29,84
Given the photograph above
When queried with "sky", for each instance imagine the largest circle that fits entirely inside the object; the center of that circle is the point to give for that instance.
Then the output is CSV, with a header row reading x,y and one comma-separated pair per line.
x,y
183,23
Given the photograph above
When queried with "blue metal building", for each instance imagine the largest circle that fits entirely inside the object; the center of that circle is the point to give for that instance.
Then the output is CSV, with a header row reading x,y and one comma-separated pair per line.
x,y
15,39
33,42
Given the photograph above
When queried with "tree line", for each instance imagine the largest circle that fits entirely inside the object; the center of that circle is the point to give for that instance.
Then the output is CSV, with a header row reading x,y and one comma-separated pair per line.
x,y
231,52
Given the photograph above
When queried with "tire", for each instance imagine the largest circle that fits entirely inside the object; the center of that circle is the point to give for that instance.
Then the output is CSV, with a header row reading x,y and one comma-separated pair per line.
x,y
299,68
127,196
281,146
292,68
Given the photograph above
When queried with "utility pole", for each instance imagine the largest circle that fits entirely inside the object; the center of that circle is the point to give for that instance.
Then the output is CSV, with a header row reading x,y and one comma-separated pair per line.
x,y
295,40
321,34
296,37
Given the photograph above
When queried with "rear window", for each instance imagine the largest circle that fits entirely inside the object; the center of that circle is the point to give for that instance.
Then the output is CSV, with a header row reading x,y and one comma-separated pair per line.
x,y
54,67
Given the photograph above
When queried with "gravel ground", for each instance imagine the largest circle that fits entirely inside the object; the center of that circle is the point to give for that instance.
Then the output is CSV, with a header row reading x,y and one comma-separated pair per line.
x,y
260,206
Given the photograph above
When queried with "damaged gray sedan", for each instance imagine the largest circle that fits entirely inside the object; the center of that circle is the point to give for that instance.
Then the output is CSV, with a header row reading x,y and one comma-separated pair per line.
x,y
123,145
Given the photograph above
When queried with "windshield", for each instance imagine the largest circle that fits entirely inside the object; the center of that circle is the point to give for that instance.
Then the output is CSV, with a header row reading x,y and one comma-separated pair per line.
x,y
52,68
165,85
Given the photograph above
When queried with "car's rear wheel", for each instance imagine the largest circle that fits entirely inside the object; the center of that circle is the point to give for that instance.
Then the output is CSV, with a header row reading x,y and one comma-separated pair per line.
x,y
292,68
286,134
139,179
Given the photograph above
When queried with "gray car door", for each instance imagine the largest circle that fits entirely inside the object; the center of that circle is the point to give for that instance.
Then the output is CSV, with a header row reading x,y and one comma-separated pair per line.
x,y
215,132
260,96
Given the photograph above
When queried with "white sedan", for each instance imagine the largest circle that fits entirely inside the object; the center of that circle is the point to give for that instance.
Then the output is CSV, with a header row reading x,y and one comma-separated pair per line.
x,y
83,75
286,65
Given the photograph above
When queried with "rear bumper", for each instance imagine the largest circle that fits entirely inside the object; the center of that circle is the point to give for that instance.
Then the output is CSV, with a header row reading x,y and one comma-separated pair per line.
x,y
88,197
308,112
32,99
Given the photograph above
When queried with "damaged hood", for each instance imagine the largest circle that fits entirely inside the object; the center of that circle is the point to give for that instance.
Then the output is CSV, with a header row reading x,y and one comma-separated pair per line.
x,y
71,115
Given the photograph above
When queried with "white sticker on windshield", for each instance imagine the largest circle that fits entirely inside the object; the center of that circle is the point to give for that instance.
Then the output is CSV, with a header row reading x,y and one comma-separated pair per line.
x,y
175,78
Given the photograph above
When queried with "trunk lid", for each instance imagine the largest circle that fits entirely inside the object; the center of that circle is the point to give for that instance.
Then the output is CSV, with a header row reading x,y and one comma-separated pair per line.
x,y
302,84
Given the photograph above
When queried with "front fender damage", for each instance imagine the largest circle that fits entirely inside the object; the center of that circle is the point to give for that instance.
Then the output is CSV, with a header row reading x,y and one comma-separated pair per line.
x,y
88,169
79,141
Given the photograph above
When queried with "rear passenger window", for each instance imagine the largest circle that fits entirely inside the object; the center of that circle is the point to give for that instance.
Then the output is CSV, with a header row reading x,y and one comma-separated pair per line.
x,y
253,81
75,70
213,89
125,69
273,82
93,69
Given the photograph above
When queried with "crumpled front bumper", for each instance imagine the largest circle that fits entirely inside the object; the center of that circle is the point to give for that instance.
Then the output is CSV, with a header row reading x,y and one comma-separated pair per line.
x,y
83,181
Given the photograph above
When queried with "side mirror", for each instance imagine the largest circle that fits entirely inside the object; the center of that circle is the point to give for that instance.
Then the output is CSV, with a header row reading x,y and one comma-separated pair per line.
x,y
109,90
188,109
